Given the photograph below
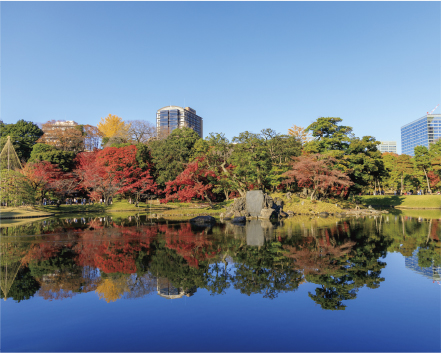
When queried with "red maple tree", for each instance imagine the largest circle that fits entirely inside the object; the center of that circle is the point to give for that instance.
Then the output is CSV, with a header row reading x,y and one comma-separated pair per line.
x,y
114,171
196,181
315,172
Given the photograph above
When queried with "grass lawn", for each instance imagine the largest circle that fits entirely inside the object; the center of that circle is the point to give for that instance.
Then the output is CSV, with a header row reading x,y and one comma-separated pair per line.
x,y
6,212
416,213
179,208
405,201
306,206
115,207
171,208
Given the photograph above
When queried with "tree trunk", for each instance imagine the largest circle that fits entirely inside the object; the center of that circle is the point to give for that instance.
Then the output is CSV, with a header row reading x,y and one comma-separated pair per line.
x,y
402,184
427,179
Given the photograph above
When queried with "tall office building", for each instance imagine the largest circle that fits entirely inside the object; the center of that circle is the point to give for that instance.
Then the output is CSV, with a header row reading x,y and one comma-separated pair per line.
x,y
388,146
421,132
173,117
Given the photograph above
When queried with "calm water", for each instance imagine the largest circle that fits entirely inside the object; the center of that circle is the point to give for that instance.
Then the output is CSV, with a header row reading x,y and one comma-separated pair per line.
x,y
127,284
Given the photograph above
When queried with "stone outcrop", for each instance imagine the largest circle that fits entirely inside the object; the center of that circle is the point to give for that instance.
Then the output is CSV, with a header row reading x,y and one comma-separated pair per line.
x,y
203,220
256,204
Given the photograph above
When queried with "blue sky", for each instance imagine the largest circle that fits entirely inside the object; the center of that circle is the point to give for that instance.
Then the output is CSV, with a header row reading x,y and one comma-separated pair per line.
x,y
242,66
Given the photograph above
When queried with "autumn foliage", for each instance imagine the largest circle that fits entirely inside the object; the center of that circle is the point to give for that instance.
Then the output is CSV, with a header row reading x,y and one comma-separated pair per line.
x,y
196,181
315,172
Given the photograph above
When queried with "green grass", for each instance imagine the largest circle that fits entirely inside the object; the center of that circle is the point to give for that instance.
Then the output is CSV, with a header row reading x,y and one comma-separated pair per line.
x,y
179,208
115,207
6,212
169,209
306,206
407,201
416,213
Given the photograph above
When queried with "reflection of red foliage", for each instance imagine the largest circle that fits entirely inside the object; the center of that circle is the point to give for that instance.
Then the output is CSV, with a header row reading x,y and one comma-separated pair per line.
x,y
115,249
193,247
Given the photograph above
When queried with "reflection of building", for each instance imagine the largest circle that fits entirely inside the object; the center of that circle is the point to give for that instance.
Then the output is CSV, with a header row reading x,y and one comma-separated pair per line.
x,y
388,146
167,290
420,132
432,272
173,117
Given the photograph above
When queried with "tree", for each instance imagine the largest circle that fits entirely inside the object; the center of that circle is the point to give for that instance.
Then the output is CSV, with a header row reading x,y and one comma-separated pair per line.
x,y
315,173
44,152
113,126
170,156
251,160
15,189
42,177
392,176
141,131
405,168
195,181
300,134
363,162
24,134
92,138
114,170
281,149
422,161
328,136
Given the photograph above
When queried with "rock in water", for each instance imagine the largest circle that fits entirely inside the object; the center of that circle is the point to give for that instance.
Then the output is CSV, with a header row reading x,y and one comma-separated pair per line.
x,y
267,213
283,214
241,219
203,220
324,214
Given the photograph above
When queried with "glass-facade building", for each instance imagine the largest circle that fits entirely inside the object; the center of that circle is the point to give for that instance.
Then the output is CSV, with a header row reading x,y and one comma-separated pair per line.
x,y
173,117
421,132
388,146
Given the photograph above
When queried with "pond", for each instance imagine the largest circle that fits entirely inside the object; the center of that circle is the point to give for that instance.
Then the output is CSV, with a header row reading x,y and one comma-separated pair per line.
x,y
304,284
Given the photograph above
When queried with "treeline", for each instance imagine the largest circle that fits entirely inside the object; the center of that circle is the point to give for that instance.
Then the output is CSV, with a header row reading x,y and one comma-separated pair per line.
x,y
325,160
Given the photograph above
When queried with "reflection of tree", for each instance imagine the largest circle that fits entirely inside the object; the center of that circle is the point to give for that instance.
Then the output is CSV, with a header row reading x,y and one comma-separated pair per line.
x,y
59,276
265,270
112,287
429,252
125,259
351,266
23,287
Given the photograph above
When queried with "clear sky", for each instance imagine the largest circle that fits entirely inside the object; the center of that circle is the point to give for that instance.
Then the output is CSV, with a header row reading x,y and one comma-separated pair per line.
x,y
242,66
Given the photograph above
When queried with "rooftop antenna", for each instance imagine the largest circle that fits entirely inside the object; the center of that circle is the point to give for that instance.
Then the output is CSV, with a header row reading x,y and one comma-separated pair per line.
x,y
432,110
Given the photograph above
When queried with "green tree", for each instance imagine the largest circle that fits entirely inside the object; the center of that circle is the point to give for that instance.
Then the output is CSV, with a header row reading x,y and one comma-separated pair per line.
x,y
251,160
171,155
357,157
405,168
328,136
422,161
24,135
44,152
363,162
15,189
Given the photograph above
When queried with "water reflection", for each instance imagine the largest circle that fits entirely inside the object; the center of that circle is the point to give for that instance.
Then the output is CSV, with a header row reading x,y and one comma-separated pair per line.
x,y
129,258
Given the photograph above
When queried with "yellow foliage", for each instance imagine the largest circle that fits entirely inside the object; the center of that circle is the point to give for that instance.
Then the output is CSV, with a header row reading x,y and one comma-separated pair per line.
x,y
112,289
300,133
113,125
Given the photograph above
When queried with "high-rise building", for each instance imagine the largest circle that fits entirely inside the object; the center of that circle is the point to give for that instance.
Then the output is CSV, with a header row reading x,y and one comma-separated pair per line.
x,y
421,132
432,272
388,146
173,117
